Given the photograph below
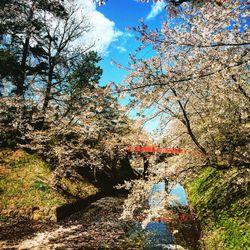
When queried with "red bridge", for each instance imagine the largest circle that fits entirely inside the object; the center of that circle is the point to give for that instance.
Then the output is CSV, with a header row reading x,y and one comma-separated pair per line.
x,y
151,149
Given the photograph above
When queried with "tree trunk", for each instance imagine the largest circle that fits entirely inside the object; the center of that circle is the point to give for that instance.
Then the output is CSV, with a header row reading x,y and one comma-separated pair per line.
x,y
47,95
186,122
20,88
20,85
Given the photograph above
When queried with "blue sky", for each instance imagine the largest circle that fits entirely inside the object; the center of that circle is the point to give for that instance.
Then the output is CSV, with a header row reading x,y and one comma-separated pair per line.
x,y
111,39
125,13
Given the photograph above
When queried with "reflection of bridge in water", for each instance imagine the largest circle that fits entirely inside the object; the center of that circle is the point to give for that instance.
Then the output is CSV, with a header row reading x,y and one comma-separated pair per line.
x,y
160,229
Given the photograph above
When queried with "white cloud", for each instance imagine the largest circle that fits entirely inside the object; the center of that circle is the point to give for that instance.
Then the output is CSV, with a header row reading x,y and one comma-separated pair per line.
x,y
103,31
156,9
121,49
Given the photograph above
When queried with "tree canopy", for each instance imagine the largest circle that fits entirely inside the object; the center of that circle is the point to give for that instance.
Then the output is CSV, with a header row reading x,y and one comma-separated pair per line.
x,y
51,101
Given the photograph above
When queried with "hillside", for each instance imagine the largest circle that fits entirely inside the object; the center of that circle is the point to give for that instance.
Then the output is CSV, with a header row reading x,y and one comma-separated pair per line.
x,y
221,203
26,187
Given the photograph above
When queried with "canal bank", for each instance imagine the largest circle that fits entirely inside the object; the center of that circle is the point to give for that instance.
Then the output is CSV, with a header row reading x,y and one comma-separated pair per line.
x,y
220,200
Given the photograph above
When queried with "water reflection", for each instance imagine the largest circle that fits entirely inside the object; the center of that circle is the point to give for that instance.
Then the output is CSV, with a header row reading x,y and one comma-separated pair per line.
x,y
159,233
179,192
159,236
156,198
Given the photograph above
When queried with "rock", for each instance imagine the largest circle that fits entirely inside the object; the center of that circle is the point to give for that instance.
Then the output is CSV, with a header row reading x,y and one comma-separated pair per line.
x,y
47,217
37,215
53,218
170,247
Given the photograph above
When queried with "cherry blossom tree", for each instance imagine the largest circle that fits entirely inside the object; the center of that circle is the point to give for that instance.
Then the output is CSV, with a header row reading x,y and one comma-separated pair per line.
x,y
198,76
171,3
198,87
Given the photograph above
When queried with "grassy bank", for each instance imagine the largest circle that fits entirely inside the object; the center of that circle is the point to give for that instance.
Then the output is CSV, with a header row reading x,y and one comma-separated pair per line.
x,y
221,202
26,187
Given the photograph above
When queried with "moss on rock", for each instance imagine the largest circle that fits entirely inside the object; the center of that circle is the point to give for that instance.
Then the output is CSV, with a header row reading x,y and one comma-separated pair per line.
x,y
79,187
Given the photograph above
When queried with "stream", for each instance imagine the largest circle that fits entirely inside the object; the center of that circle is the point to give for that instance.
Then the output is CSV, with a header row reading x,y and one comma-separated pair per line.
x,y
97,226
182,233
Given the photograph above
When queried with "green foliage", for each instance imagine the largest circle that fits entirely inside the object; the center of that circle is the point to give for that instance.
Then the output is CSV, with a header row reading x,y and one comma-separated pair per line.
x,y
22,24
40,185
236,232
18,163
85,71
8,64
3,218
84,75
222,206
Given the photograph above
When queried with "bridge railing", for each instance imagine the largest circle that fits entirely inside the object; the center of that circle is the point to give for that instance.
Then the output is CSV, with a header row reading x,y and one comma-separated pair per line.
x,y
152,149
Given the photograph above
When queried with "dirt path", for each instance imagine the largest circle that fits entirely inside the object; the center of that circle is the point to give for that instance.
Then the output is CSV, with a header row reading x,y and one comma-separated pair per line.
x,y
96,227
